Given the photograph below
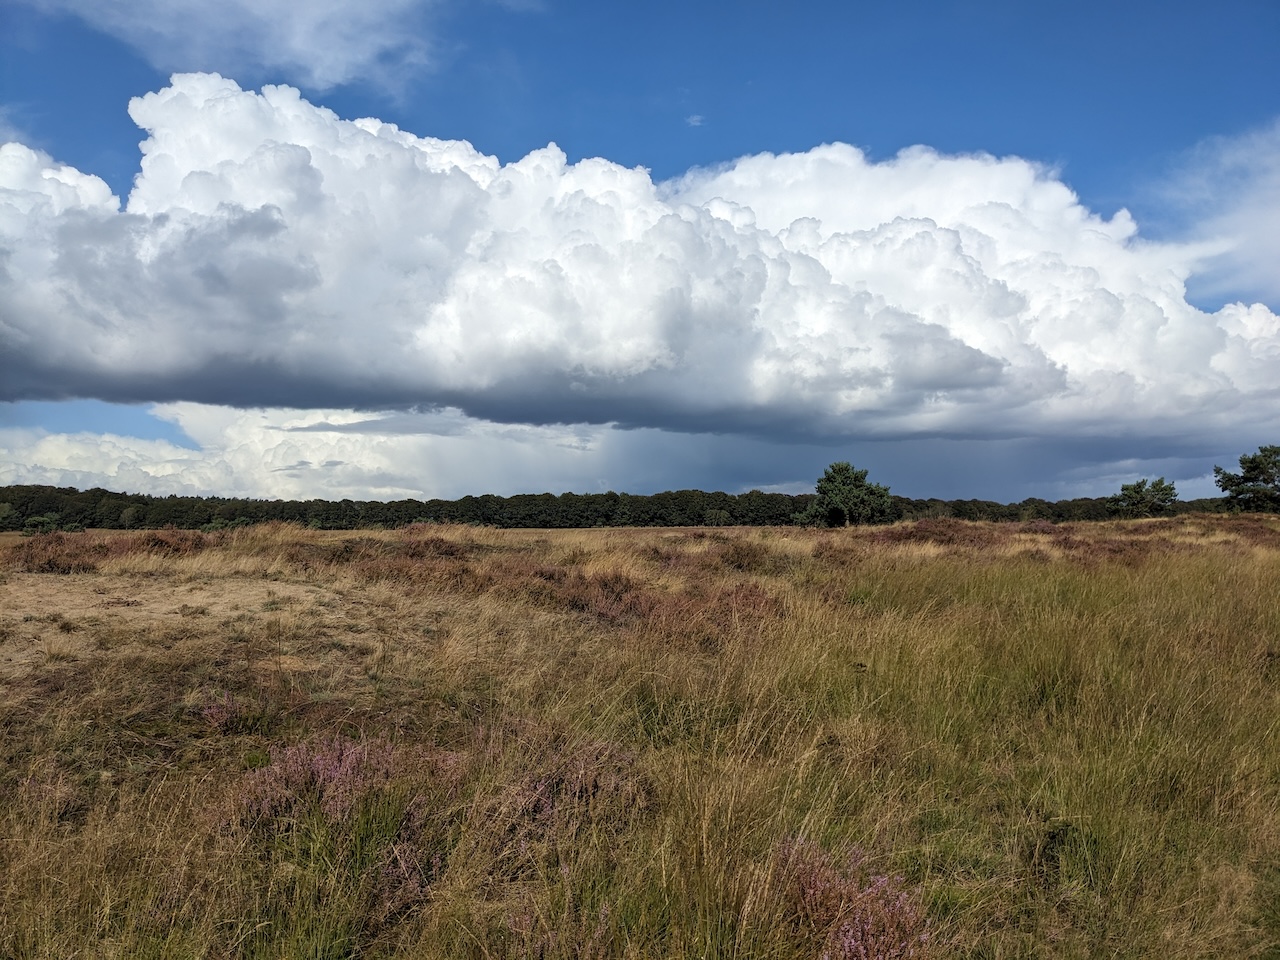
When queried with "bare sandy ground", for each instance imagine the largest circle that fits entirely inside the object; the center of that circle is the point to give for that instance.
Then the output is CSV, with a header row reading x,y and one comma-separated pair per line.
x,y
68,618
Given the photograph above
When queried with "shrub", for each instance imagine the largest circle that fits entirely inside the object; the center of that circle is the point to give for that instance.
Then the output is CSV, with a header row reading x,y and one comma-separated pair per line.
x,y
854,913
61,553
331,775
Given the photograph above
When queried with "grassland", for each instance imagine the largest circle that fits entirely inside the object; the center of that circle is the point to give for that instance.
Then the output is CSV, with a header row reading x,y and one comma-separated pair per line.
x,y
939,739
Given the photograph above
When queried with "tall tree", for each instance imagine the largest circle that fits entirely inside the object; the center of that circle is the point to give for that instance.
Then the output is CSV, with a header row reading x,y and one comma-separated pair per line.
x,y
1143,499
1257,486
844,496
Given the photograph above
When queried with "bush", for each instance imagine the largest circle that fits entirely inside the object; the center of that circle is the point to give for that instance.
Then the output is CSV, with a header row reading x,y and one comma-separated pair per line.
x,y
845,497
856,914
59,553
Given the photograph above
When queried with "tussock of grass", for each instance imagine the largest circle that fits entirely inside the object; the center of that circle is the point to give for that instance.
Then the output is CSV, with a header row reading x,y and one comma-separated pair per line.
x,y
926,740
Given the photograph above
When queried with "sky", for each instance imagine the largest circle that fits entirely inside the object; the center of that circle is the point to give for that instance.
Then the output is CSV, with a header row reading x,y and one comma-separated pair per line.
x,y
430,248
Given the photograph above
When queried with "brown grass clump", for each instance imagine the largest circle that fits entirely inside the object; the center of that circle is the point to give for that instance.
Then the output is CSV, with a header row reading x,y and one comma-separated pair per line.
x,y
953,533
924,740
61,553
67,553
610,597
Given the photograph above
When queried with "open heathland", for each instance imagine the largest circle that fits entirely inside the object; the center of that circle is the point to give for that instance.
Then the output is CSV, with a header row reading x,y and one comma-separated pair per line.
x,y
931,739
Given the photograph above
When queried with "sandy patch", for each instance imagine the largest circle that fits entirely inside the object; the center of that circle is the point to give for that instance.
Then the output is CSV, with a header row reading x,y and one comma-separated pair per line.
x,y
47,617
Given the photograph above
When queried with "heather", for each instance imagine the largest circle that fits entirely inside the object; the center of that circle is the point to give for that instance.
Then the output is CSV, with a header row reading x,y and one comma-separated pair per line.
x,y
929,739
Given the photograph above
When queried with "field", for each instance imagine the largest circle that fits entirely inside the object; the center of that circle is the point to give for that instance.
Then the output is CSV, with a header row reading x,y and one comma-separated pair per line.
x,y
938,739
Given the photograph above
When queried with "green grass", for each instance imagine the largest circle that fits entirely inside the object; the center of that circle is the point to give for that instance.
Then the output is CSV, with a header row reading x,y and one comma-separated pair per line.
x,y
474,743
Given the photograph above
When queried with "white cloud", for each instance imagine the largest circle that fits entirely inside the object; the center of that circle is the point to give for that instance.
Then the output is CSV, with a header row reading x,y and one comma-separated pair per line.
x,y
319,43
1230,186
272,254
9,130
336,454
333,454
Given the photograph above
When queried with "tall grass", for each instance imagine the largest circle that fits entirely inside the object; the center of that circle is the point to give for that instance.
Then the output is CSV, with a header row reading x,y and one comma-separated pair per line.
x,y
933,739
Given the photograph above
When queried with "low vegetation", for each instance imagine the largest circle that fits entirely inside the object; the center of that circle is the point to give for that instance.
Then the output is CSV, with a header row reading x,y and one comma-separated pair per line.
x,y
931,739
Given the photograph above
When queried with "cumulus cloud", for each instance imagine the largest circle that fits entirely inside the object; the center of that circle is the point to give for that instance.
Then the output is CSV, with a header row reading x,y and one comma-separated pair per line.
x,y
320,43
272,254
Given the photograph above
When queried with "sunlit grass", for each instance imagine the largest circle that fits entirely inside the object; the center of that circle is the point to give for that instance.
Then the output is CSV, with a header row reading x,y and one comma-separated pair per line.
x,y
935,739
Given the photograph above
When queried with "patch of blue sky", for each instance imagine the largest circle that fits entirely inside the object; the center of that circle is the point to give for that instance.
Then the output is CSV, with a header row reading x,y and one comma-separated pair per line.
x,y
65,88
94,416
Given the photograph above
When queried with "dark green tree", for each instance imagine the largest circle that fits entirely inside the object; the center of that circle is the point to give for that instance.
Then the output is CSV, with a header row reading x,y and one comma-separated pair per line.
x,y
1142,499
42,523
844,496
1257,486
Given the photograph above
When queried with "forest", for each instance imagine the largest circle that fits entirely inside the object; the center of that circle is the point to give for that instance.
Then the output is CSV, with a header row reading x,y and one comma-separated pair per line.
x,y
46,508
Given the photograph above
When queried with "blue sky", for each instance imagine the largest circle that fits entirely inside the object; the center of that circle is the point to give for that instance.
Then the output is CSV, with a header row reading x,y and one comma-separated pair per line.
x,y
1071,285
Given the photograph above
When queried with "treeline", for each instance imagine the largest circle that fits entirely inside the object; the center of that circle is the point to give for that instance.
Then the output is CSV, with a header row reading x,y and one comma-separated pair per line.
x,y
42,508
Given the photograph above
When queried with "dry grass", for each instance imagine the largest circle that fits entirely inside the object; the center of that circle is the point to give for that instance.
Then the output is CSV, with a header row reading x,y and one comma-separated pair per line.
x,y
933,739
